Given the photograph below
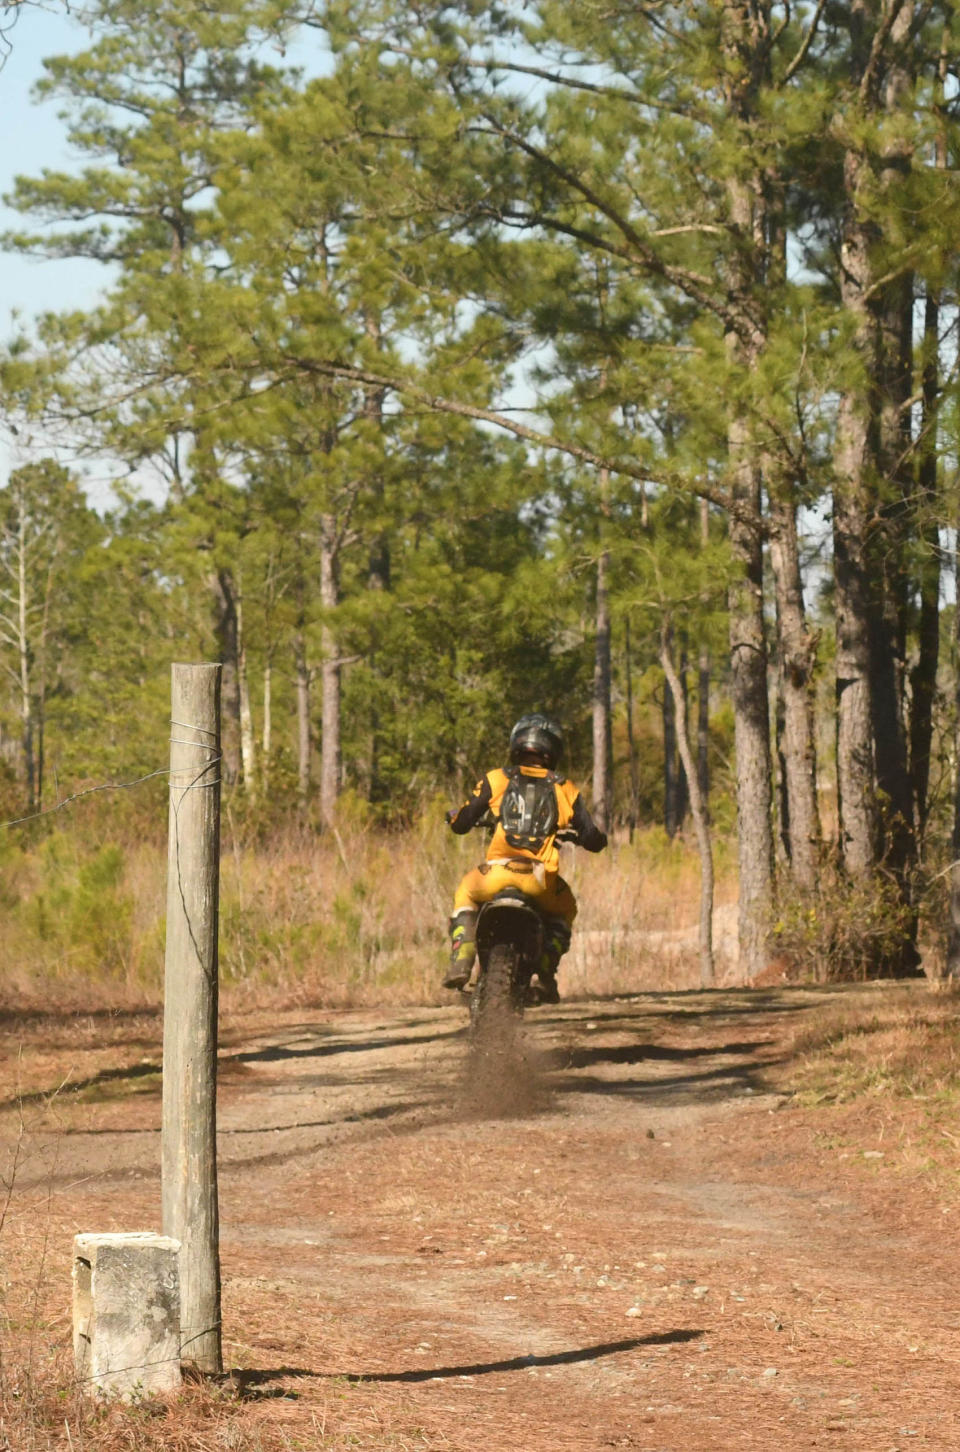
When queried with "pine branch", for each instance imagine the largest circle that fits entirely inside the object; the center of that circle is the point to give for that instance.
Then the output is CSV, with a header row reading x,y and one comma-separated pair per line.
x,y
805,44
694,284
613,93
876,50
330,368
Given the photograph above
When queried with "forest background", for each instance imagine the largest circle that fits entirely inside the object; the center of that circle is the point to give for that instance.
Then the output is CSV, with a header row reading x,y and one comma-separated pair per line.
x,y
508,357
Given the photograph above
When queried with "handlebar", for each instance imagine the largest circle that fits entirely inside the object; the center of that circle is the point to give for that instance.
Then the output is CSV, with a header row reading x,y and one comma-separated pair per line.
x,y
488,823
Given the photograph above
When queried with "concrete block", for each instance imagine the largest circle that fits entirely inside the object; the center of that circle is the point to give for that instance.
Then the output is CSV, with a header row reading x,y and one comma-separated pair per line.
x,y
126,1313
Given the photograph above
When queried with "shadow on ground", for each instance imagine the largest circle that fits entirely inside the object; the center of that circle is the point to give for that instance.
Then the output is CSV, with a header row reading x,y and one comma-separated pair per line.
x,y
247,1382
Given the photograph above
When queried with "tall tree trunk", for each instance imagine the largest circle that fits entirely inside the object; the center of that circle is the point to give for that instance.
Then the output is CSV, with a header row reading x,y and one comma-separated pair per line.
x,y
953,927
923,677
748,652
669,714
225,628
602,733
272,591
703,688
889,580
683,791
872,484
894,382
746,47
41,748
782,798
330,672
27,723
631,739
267,720
379,565
703,726
856,798
303,677
698,810
42,674
248,747
603,674
852,513
800,817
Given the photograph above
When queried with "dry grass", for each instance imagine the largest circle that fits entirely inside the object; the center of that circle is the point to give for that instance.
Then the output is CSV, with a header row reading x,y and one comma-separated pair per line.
x,y
42,1408
878,1073
352,918
887,1041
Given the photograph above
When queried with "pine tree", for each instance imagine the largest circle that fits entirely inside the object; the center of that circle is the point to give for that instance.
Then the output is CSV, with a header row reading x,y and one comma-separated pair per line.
x,y
46,528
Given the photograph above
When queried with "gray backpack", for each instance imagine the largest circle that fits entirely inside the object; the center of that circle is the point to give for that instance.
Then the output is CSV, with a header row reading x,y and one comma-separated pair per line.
x,y
528,811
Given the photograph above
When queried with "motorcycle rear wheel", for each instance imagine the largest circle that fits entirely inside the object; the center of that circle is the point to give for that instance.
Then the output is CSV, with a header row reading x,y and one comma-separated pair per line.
x,y
495,1003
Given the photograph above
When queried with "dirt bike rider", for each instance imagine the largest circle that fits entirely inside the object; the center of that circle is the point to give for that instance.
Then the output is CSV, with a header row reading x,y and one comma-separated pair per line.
x,y
530,803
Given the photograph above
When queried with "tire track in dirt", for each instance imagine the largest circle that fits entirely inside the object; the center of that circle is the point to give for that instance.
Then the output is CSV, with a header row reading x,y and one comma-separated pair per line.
x,y
649,1250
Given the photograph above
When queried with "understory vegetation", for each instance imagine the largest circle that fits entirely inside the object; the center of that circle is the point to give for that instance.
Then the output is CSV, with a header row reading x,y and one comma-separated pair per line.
x,y
352,916
456,360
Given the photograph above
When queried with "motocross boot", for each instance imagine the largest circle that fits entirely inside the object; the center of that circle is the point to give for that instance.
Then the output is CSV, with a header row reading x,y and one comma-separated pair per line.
x,y
463,948
558,941
547,979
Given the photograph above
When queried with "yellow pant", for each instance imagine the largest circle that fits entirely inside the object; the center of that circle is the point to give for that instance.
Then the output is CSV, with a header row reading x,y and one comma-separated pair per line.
x,y
547,889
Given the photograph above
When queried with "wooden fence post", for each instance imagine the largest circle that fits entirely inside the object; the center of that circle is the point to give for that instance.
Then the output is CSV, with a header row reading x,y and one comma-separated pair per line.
x,y
189,1140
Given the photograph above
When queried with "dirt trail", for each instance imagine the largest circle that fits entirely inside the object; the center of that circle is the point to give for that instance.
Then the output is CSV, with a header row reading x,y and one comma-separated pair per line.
x,y
648,1249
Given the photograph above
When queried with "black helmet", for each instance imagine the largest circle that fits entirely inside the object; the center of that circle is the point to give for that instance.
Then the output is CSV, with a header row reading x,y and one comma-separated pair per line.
x,y
540,734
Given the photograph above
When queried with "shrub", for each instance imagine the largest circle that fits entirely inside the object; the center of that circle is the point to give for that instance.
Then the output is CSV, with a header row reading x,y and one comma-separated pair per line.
x,y
845,930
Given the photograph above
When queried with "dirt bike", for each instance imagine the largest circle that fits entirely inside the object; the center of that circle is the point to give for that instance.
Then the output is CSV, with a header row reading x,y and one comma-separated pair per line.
x,y
510,941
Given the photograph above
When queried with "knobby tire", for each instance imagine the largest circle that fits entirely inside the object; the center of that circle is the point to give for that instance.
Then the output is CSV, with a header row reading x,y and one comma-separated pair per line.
x,y
493,1011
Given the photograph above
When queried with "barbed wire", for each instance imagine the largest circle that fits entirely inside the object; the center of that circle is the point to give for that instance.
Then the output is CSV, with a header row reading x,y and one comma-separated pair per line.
x,y
107,786
117,786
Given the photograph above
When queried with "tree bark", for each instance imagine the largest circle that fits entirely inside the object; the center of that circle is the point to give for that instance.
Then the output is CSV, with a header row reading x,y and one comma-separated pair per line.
x,y
683,792
669,716
225,628
797,649
745,40
953,926
267,720
304,736
703,727
379,565
602,732
894,381
856,798
889,581
872,485
631,739
748,653
248,747
24,662
852,510
923,678
330,671
703,688
697,810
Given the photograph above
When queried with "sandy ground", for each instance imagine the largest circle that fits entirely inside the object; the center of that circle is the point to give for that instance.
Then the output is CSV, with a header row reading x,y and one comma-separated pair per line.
x,y
644,1243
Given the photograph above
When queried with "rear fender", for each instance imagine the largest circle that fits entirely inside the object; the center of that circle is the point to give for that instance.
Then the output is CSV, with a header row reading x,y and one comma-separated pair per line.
x,y
510,918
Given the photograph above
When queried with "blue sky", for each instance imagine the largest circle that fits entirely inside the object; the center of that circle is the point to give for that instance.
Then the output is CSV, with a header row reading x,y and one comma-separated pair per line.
x,y
35,138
